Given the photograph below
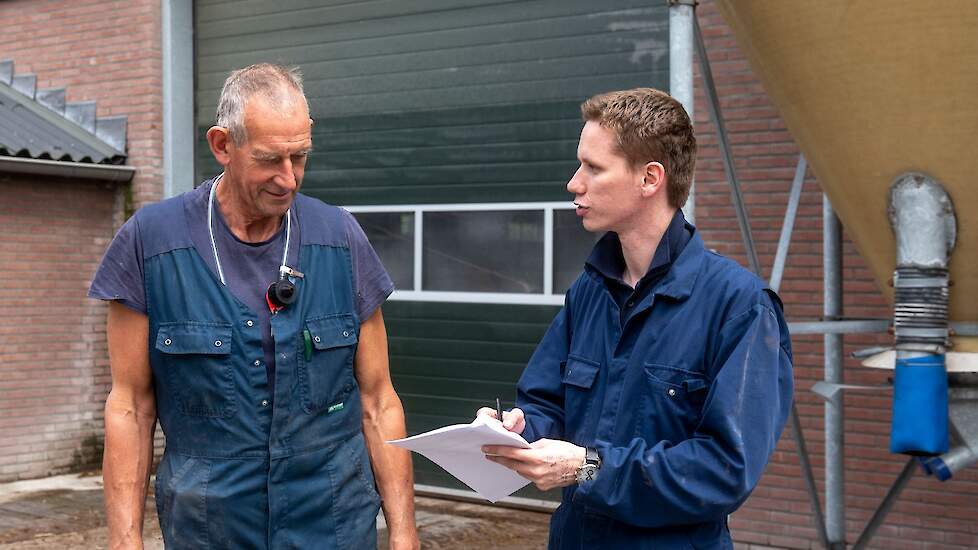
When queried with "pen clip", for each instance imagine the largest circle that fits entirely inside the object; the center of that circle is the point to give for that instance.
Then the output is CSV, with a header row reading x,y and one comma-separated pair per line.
x,y
307,340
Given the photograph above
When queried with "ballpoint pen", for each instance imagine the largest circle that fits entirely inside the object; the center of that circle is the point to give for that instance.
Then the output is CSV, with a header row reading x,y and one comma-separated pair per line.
x,y
499,410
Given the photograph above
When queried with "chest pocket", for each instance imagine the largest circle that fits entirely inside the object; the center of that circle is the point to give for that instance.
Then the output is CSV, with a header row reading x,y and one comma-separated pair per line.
x,y
197,363
673,401
326,364
578,379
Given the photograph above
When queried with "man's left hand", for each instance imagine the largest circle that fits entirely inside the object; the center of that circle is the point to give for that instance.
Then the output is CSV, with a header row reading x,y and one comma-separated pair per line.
x,y
548,463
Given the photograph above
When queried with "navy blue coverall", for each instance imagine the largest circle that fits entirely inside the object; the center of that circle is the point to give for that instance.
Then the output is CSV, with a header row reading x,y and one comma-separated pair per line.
x,y
243,468
684,398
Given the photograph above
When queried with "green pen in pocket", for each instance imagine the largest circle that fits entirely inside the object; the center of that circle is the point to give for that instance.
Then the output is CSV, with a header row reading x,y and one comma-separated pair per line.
x,y
307,338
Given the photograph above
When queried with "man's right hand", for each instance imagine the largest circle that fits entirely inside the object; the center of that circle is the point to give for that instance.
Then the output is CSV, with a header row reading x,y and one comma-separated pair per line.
x,y
513,420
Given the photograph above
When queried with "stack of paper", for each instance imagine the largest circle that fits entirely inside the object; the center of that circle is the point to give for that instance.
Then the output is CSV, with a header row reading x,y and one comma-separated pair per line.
x,y
458,449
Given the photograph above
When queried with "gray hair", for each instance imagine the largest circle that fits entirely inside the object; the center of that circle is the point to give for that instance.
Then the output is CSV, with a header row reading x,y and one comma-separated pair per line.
x,y
275,83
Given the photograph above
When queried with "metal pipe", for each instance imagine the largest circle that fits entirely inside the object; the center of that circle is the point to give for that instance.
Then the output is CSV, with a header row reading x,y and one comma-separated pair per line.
x,y
884,507
845,326
177,41
788,226
682,14
866,326
963,412
726,154
835,526
925,228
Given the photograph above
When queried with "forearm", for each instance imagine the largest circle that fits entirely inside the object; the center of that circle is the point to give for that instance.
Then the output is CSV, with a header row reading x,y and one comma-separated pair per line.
x,y
658,486
383,420
126,465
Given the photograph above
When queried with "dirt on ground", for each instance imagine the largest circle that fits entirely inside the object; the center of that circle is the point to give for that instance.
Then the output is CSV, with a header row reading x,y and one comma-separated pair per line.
x,y
56,517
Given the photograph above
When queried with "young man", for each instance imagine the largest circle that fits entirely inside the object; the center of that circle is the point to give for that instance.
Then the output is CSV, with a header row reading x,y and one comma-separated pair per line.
x,y
246,317
660,390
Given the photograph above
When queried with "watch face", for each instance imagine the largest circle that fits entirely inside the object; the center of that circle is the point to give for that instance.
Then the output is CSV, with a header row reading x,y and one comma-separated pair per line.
x,y
587,473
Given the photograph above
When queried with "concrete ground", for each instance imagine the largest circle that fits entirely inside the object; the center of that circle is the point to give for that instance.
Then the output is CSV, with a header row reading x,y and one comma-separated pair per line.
x,y
67,512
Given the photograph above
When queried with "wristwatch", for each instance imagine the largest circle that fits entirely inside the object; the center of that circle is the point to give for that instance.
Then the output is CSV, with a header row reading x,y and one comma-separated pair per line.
x,y
592,463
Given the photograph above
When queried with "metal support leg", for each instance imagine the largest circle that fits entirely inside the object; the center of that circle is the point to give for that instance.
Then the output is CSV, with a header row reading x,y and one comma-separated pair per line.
x,y
788,226
884,507
806,472
835,526
728,164
784,243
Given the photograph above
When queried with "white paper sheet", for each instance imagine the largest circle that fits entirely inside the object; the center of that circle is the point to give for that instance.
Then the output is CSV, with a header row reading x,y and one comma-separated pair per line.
x,y
458,449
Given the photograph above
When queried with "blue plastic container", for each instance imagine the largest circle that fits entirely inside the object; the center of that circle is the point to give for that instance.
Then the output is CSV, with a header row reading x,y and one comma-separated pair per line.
x,y
920,406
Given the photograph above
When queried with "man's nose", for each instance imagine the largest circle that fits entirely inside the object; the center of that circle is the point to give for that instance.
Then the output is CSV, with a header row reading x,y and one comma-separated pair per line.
x,y
576,183
286,175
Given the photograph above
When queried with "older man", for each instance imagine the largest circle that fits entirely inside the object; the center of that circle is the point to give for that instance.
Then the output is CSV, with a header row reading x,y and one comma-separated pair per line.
x,y
246,317
658,394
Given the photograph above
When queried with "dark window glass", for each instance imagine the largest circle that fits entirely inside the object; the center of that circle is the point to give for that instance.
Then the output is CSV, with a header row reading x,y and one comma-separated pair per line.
x,y
572,244
392,236
494,251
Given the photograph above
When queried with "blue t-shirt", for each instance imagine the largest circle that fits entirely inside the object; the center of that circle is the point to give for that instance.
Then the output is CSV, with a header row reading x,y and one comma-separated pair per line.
x,y
248,267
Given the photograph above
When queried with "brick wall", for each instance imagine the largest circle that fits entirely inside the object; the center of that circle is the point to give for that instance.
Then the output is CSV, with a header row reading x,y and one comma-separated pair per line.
x,y
53,360
929,514
102,51
109,52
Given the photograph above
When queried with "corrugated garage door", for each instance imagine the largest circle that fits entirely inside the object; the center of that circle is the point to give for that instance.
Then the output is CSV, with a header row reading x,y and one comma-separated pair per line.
x,y
444,102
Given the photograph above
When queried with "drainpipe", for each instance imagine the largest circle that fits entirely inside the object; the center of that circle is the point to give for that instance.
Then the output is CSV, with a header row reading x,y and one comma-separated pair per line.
x,y
682,14
923,222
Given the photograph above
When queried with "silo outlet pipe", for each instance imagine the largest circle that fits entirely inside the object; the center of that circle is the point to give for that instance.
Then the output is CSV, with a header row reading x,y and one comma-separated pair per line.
x,y
964,428
924,225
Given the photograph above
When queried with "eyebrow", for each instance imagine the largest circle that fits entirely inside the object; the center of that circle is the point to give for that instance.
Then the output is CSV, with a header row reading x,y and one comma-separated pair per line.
x,y
272,155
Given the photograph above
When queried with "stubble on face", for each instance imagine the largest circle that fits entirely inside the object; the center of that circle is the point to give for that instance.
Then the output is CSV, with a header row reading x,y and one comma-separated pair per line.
x,y
268,168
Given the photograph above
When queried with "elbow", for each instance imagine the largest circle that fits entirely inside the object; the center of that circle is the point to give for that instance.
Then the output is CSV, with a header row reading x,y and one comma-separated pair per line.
x,y
739,482
139,410
377,406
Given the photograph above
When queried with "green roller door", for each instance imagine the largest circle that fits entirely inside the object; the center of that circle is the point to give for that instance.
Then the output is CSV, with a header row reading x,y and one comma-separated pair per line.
x,y
434,102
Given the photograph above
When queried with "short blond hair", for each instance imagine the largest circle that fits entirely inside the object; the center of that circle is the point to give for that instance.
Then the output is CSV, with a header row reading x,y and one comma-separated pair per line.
x,y
651,126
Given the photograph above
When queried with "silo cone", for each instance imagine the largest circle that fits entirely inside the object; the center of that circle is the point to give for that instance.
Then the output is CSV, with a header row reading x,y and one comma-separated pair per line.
x,y
871,92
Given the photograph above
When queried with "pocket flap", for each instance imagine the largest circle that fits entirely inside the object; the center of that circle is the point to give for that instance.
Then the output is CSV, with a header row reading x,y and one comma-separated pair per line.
x,y
675,376
580,372
193,337
333,331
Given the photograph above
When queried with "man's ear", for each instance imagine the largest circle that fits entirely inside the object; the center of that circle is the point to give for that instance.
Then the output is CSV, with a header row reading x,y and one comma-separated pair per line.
x,y
219,140
653,178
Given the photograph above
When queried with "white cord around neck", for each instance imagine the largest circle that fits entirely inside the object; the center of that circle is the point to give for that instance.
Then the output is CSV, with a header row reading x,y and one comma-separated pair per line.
x,y
210,229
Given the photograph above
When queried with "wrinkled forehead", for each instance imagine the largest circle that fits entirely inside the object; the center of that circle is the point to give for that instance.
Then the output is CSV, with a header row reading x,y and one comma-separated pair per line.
x,y
278,118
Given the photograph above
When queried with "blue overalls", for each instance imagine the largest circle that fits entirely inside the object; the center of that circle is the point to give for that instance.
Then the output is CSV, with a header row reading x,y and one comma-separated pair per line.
x,y
245,469
684,400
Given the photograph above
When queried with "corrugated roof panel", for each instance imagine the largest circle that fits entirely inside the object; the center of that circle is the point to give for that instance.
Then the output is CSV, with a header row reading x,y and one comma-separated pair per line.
x,y
29,129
